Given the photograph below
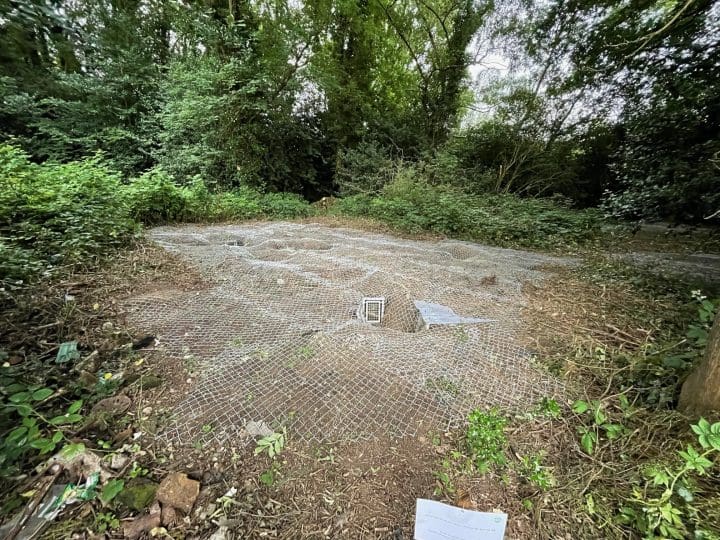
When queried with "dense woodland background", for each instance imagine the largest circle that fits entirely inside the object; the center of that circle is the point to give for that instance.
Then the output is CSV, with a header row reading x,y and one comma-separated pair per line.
x,y
597,102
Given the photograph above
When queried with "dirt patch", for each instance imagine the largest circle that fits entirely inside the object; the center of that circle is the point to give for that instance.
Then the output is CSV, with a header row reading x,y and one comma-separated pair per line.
x,y
336,490
340,489
254,321
367,489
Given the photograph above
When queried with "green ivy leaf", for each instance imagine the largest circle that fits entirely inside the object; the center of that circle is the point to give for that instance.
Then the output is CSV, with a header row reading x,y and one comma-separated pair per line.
x,y
20,397
75,406
111,490
43,393
599,416
713,441
660,477
580,407
588,442
65,419
613,431
268,477
17,436
49,447
39,443
71,451
674,362
15,388
23,409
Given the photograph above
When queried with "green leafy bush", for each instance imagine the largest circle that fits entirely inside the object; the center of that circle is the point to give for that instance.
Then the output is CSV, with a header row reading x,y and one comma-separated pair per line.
x,y
30,430
668,503
155,198
412,204
56,215
238,204
532,469
246,203
284,206
198,200
485,438
62,215
365,169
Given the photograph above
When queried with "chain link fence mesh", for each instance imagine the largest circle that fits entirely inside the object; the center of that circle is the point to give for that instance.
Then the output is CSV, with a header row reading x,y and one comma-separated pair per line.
x,y
279,339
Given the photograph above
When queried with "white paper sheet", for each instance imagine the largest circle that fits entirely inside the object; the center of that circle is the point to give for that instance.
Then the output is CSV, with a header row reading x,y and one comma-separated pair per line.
x,y
438,521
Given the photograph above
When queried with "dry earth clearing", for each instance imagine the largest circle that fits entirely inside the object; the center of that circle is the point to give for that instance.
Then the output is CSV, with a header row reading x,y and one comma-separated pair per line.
x,y
258,323
278,338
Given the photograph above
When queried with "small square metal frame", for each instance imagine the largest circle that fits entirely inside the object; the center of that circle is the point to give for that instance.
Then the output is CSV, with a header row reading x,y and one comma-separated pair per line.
x,y
372,309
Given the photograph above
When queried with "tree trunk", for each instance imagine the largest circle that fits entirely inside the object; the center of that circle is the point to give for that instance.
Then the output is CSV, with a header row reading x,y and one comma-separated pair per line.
x,y
701,391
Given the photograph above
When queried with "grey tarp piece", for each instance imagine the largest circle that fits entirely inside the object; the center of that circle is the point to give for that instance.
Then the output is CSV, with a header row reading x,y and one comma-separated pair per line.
x,y
435,314
275,336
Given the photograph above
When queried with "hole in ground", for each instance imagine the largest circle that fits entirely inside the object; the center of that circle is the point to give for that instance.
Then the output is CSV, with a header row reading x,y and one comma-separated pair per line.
x,y
401,315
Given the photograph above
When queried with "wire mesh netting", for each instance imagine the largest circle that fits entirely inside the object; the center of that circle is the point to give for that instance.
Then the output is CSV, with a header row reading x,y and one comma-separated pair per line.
x,y
280,339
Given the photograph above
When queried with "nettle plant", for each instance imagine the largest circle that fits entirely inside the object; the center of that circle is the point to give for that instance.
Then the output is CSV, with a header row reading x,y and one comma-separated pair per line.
x,y
699,331
484,448
273,445
664,507
596,425
532,469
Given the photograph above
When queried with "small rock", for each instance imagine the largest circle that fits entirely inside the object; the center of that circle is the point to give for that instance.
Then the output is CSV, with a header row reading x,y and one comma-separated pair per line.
x,y
223,533
114,406
463,500
210,478
178,491
143,342
169,516
123,436
146,411
118,461
87,380
138,496
135,528
131,378
107,326
258,429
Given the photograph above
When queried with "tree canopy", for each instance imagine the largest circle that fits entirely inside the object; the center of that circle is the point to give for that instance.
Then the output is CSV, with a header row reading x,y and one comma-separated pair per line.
x,y
607,103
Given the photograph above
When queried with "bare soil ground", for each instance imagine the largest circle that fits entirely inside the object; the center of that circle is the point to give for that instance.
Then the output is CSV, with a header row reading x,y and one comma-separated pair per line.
x,y
331,489
352,490
367,489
